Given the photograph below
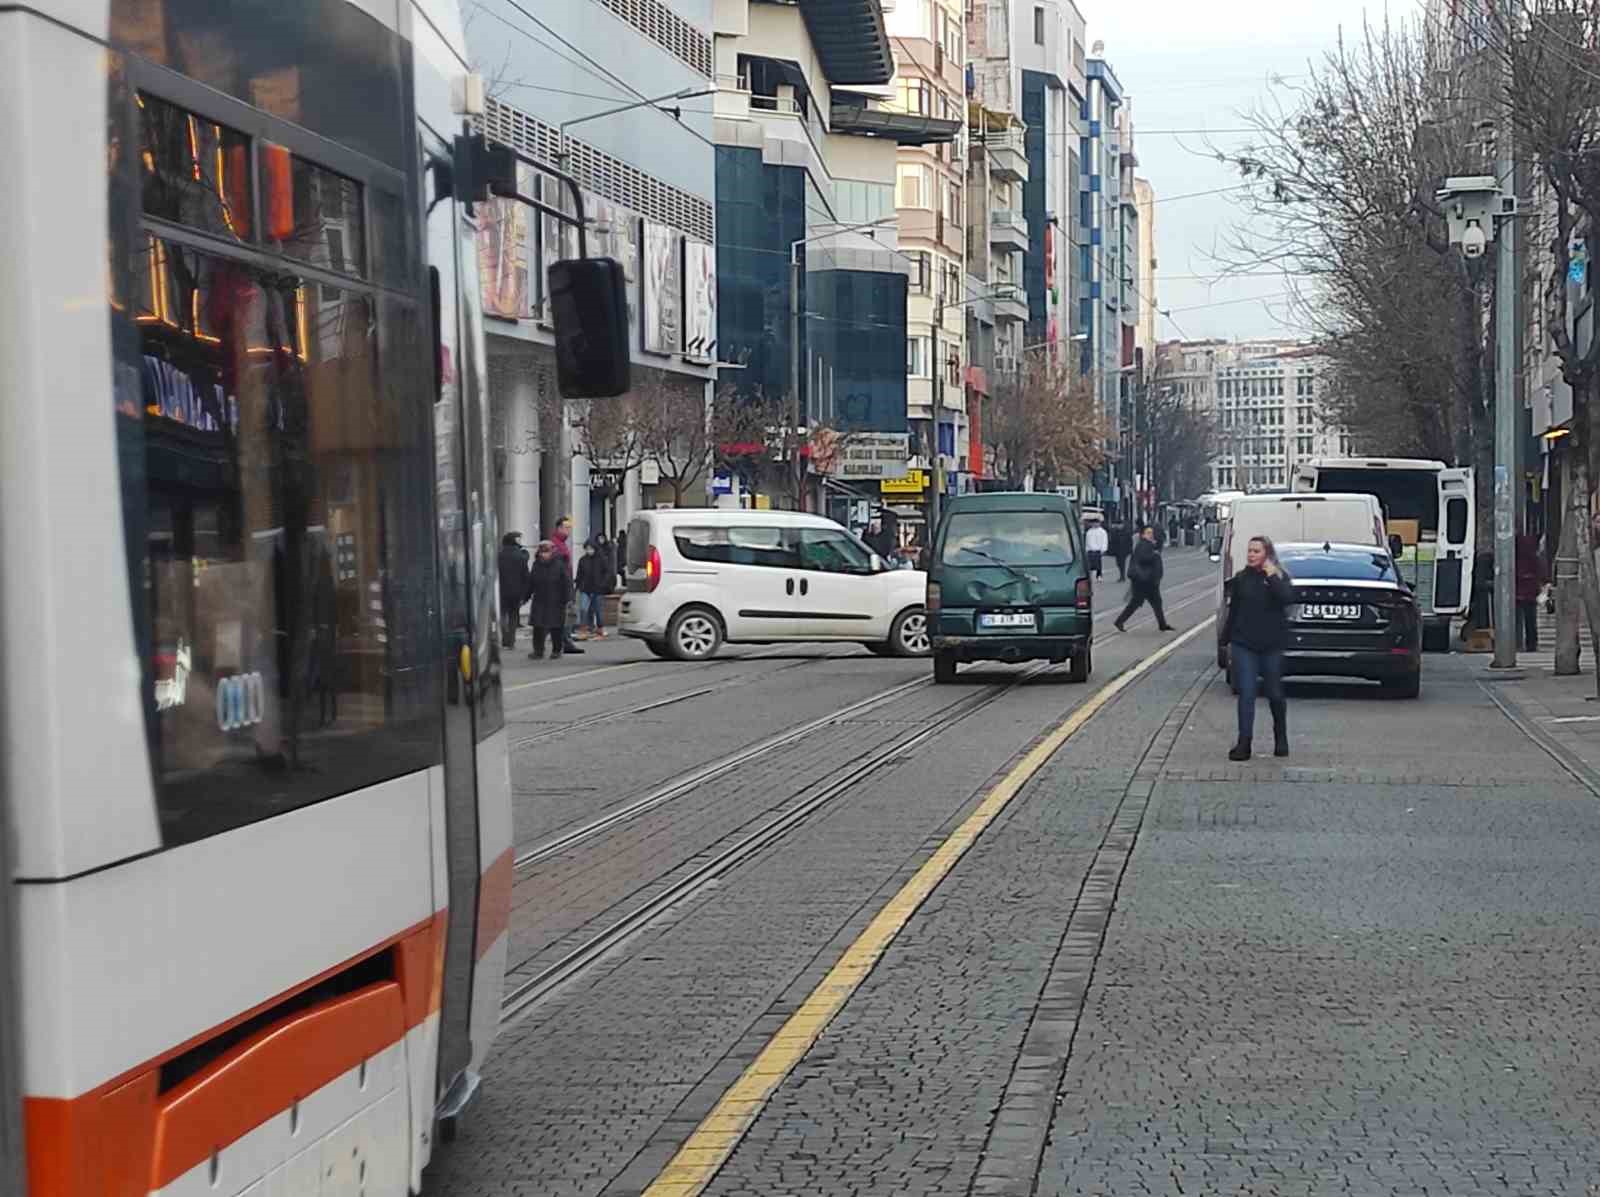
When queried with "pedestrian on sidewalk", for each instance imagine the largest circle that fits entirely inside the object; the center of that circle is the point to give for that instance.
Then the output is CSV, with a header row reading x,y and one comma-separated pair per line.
x,y
1530,580
561,542
1257,632
513,568
1120,548
1145,571
622,558
607,552
549,592
592,567
1095,542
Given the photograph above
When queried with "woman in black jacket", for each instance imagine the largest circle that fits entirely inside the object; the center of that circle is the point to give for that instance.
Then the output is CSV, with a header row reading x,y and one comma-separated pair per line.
x,y
549,592
1259,596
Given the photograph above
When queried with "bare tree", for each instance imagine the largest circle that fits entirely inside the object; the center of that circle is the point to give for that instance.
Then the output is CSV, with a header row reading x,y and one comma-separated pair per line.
x,y
678,437
1042,424
1181,438
1341,178
1551,63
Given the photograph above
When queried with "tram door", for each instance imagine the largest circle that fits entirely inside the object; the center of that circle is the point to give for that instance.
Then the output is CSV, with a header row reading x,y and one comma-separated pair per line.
x,y
456,609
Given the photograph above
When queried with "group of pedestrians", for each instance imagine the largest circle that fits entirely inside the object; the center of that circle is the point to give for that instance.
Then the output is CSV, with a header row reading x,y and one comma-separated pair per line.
x,y
566,602
1101,542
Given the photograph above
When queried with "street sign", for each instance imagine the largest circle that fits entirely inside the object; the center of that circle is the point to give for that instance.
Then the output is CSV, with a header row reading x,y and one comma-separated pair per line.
x,y
864,455
722,484
914,483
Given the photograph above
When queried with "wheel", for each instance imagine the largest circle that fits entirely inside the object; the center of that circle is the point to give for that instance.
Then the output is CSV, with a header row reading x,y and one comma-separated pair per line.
x,y
1409,686
1081,664
1436,638
694,635
944,668
908,636
659,649
878,648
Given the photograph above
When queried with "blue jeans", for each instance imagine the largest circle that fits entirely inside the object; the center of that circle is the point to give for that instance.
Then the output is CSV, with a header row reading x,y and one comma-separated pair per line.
x,y
1250,669
593,612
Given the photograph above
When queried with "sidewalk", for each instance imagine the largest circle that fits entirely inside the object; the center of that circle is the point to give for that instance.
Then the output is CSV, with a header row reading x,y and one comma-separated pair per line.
x,y
1561,714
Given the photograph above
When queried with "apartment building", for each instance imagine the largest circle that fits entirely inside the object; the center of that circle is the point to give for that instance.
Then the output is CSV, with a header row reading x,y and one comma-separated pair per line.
x,y
648,181
1269,414
812,273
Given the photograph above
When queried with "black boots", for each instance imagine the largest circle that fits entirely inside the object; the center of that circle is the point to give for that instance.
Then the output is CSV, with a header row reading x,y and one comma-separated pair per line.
x,y
1240,751
1280,728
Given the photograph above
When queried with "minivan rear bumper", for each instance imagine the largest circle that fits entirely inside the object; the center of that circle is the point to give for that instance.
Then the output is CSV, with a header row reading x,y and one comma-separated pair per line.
x,y
1010,648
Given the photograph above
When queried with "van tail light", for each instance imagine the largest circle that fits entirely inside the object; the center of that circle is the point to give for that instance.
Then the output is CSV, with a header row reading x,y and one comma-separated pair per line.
x,y
652,570
935,596
1084,595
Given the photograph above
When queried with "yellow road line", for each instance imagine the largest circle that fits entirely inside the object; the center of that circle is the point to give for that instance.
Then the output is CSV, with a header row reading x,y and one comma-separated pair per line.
x,y
713,1141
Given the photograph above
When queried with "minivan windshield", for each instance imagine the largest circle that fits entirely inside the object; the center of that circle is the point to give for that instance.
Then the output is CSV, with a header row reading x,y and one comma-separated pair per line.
x,y
975,538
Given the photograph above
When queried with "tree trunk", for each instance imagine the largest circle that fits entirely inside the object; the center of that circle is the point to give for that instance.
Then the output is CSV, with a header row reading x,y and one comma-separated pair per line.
x,y
1567,587
1582,504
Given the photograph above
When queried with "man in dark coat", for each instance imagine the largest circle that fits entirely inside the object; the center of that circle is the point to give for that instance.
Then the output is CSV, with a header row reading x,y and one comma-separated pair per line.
x,y
1530,580
549,592
561,545
1120,548
513,565
1144,580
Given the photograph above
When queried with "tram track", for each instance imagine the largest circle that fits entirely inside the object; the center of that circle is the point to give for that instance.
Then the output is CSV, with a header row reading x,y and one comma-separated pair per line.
x,y
685,783
846,776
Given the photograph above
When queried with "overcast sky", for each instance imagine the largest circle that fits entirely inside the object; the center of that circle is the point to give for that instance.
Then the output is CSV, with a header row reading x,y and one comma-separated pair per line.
x,y
1190,66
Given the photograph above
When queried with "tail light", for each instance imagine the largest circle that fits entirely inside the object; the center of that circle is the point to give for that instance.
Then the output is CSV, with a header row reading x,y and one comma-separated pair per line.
x,y
934,598
652,570
1084,595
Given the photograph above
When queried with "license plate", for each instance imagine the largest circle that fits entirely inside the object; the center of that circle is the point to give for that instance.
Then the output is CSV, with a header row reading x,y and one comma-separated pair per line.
x,y
1330,611
1003,619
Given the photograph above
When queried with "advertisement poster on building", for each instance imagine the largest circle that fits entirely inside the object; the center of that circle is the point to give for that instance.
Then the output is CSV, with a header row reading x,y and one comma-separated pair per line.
x,y
556,241
504,236
663,289
700,299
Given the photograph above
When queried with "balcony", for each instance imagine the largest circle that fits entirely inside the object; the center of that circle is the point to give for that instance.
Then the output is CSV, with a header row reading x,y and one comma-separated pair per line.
x,y
1008,231
1010,307
1008,159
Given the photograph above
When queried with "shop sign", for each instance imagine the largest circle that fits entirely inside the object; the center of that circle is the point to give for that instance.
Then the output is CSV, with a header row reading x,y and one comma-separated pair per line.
x,y
866,455
914,483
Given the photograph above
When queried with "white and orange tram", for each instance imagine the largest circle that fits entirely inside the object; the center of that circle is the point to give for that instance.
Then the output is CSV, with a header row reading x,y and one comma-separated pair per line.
x,y
253,770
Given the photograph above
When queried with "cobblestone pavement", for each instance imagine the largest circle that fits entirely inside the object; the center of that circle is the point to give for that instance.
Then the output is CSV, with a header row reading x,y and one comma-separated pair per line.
x,y
1365,969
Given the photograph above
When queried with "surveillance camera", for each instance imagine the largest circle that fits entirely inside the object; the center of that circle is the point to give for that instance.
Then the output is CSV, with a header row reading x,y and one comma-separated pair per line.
x,y
1473,242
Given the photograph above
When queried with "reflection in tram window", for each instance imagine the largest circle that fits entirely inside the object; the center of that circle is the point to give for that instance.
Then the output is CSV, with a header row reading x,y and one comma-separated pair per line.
x,y
276,462
196,172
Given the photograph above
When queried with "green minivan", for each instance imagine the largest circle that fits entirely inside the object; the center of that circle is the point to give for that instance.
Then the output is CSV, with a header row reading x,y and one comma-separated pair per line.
x,y
1008,581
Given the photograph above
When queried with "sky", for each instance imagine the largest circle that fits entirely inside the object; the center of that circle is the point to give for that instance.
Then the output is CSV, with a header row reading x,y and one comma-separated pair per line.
x,y
1190,66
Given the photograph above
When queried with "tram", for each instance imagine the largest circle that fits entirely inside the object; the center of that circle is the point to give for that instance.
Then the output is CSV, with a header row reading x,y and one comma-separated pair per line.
x,y
253,769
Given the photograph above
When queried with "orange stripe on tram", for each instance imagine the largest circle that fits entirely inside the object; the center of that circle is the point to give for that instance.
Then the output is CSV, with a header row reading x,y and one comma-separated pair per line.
x,y
494,901
124,1137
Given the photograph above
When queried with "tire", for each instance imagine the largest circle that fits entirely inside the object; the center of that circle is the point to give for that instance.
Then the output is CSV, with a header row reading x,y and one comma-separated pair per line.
x,y
944,668
1081,664
908,635
1409,686
695,634
1436,638
878,648
659,649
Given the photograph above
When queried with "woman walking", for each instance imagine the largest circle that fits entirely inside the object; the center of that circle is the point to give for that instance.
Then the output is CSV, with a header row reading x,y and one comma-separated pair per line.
x,y
1259,596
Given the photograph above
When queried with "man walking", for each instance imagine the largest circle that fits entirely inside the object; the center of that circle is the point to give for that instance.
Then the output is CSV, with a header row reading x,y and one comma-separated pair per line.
x,y
513,567
1095,542
1144,580
1530,579
561,545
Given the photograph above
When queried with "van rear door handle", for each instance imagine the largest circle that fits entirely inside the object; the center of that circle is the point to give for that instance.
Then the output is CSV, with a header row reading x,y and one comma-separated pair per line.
x,y
788,585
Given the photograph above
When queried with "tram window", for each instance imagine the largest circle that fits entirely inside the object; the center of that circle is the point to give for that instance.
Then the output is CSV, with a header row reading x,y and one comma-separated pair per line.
x,y
312,214
196,172
284,545
393,262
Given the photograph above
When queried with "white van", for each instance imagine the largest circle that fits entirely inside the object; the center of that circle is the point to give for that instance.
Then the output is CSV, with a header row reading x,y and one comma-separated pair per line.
x,y
1349,519
697,578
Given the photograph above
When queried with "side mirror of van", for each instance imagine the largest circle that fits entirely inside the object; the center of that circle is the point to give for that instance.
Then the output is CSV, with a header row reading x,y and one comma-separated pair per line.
x,y
1215,557
877,564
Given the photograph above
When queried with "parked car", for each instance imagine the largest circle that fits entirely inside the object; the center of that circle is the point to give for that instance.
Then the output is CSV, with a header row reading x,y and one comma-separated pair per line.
x,y
701,578
1353,617
1008,582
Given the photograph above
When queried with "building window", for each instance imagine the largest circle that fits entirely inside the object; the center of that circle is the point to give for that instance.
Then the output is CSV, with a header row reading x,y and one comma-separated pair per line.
x,y
914,95
952,203
917,350
914,186
1038,26
921,271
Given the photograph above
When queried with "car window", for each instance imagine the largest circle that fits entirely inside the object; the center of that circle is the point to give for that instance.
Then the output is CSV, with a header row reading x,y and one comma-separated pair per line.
x,y
833,552
742,545
1010,537
1338,564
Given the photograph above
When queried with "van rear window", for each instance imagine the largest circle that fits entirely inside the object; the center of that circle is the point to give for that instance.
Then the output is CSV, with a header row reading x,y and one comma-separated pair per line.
x,y
638,543
1007,537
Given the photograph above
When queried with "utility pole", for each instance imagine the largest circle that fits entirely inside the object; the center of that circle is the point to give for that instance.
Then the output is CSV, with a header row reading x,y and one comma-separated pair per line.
x,y
936,499
1506,474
